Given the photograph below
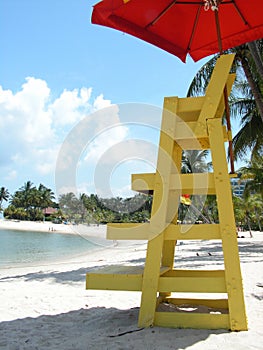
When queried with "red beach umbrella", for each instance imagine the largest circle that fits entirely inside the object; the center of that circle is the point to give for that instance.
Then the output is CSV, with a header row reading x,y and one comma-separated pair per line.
x,y
198,27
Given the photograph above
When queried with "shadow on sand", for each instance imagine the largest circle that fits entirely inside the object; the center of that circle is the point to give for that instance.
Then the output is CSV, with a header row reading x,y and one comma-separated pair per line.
x,y
95,328
111,328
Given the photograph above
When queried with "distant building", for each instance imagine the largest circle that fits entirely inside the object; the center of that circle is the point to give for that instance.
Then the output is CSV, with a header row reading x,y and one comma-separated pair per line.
x,y
49,211
238,186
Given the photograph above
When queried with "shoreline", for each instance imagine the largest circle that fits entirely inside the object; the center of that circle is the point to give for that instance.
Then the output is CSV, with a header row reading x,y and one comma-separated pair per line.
x,y
97,231
94,234
35,226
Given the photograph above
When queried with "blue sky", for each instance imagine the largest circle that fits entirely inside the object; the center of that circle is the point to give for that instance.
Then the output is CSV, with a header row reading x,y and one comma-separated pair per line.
x,y
57,69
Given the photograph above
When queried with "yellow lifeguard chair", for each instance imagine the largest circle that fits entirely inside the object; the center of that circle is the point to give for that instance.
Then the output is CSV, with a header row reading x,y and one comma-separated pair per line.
x,y
187,124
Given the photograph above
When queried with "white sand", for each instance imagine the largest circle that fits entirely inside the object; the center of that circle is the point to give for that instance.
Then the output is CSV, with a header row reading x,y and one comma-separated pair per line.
x,y
35,226
47,307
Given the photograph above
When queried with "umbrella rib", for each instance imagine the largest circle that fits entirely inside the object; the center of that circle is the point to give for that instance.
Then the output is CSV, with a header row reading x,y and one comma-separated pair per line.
x,y
194,27
240,14
167,8
163,12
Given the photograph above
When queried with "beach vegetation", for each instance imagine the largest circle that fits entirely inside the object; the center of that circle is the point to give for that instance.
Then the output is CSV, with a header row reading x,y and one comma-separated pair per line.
x,y
4,195
91,209
246,99
246,105
28,202
253,173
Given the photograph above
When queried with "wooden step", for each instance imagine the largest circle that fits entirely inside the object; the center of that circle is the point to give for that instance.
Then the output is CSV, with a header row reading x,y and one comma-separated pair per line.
x,y
193,320
196,184
118,277
193,281
192,313
140,231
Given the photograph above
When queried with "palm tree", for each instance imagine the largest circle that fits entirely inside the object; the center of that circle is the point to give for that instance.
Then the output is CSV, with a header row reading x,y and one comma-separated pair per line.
x,y
244,65
71,207
47,196
254,48
250,135
253,172
246,98
26,194
251,67
194,161
248,210
257,202
32,200
4,195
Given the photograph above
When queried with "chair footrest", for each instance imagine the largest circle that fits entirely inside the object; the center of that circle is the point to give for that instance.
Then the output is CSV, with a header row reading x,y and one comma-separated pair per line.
x,y
191,320
118,277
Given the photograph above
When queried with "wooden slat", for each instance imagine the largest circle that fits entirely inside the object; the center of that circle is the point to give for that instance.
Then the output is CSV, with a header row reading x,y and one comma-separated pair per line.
x,y
188,108
211,303
193,136
195,320
194,273
129,231
114,282
138,231
118,277
214,91
229,84
186,183
228,228
194,232
192,284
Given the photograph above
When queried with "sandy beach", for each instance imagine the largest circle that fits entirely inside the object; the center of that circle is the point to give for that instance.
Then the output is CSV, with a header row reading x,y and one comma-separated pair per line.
x,y
47,306
40,226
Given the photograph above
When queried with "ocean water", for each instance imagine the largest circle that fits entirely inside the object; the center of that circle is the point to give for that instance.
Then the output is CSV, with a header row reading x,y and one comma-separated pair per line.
x,y
31,248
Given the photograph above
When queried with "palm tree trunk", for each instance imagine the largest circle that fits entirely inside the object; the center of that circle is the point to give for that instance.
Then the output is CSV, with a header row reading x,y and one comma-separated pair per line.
x,y
255,90
259,226
254,50
258,220
249,227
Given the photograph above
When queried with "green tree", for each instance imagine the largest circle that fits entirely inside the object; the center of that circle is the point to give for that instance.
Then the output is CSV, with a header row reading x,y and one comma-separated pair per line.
x,y
248,211
31,200
73,208
257,213
4,195
194,161
246,100
253,173
27,194
46,197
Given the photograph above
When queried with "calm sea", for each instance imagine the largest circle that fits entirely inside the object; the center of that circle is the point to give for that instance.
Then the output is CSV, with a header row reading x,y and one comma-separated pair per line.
x,y
22,247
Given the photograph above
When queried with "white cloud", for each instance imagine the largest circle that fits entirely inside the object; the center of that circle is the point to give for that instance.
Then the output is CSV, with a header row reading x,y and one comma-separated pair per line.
x,y
104,141
100,102
32,125
70,106
45,159
43,140
11,175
